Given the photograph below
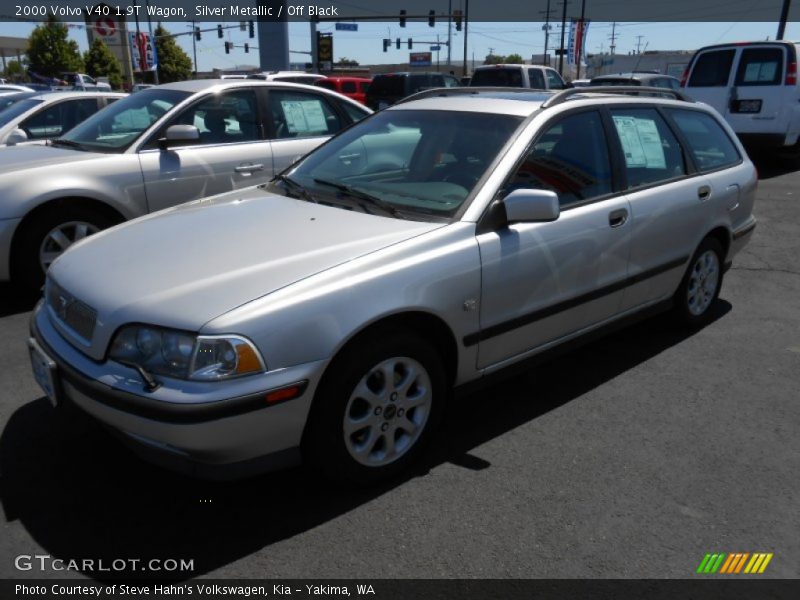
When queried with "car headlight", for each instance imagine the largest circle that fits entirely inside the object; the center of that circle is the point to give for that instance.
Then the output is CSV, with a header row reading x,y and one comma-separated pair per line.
x,y
185,355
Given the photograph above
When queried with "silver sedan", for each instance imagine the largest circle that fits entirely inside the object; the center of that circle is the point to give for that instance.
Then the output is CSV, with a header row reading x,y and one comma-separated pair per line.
x,y
154,149
327,315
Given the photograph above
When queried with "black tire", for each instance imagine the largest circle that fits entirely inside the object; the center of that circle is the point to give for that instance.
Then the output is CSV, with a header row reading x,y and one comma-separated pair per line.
x,y
26,268
327,447
693,301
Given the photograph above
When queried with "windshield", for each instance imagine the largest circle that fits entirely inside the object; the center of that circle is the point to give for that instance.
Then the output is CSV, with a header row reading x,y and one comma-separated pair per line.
x,y
416,163
116,127
13,106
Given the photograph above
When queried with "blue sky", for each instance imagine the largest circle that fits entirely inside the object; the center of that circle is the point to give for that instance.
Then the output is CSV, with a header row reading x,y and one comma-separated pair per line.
x,y
526,39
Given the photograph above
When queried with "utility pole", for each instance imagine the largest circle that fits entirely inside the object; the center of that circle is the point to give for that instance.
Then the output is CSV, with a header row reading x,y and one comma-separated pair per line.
x,y
581,42
638,43
449,32
546,28
613,37
194,47
466,27
784,17
563,30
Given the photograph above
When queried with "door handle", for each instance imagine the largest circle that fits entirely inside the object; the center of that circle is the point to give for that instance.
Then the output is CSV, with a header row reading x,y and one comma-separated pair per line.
x,y
618,218
704,192
249,168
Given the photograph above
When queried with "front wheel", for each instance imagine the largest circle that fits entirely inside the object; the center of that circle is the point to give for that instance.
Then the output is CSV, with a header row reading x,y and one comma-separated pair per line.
x,y
701,284
376,408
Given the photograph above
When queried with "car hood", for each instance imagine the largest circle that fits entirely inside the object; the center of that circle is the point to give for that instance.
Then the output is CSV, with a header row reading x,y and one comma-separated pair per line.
x,y
30,156
186,265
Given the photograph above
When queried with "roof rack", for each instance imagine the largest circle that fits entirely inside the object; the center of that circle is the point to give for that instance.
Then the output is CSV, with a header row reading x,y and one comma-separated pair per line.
x,y
565,95
444,92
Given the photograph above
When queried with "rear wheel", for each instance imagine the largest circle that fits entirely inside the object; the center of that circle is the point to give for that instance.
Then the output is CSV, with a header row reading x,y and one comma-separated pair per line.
x,y
701,284
47,236
376,408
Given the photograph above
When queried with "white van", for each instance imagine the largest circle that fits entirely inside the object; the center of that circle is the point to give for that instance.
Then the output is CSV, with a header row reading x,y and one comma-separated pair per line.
x,y
753,85
519,76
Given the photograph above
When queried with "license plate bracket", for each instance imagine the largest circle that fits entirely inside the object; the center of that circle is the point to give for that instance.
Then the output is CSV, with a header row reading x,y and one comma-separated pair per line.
x,y
45,372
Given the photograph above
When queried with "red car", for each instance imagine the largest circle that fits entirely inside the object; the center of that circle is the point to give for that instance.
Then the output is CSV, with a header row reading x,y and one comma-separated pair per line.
x,y
352,87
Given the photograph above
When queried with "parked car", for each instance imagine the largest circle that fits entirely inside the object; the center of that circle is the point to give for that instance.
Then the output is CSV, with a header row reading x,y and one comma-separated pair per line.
x,y
138,87
352,87
10,88
388,88
754,86
42,116
288,76
638,78
155,148
81,81
326,315
519,76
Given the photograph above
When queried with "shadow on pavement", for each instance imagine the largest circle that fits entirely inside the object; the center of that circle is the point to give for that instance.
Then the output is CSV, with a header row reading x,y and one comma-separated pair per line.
x,y
771,163
13,300
80,494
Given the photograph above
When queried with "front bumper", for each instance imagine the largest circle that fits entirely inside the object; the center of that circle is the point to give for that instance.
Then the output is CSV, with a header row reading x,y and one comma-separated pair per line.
x,y
233,435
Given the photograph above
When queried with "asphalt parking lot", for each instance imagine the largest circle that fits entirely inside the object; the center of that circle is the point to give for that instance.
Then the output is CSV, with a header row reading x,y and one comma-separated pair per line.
x,y
631,457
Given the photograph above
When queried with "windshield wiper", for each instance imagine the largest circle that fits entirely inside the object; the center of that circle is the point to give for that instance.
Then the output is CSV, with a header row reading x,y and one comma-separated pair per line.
x,y
67,143
292,185
355,193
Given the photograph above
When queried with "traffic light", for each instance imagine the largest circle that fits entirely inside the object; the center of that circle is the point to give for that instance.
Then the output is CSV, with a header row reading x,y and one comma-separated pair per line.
x,y
251,29
410,43
219,31
197,35
397,43
228,47
386,44
431,18
402,18
246,48
457,19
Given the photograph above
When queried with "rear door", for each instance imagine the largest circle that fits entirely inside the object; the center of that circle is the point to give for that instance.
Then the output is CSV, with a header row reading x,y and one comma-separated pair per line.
x,y
711,76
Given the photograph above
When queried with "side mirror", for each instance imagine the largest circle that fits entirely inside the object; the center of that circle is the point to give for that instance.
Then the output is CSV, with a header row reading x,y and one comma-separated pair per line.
x,y
531,206
179,134
17,136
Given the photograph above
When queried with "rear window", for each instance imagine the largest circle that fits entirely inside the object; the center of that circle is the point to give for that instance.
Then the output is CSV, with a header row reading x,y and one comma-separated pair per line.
x,y
712,69
497,77
615,81
760,66
709,145
388,85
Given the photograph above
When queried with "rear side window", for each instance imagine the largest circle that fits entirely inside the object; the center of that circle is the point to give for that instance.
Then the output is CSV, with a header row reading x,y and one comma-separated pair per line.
x,y
570,158
388,85
536,79
327,84
363,86
555,81
349,87
418,82
498,76
712,69
760,66
652,153
710,146
300,114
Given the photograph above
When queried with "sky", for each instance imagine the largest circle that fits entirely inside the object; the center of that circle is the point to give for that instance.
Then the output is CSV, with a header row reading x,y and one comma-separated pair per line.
x,y
525,39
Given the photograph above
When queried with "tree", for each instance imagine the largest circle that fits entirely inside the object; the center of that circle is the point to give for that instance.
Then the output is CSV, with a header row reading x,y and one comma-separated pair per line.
x,y
514,59
14,70
494,59
50,51
346,62
173,63
100,62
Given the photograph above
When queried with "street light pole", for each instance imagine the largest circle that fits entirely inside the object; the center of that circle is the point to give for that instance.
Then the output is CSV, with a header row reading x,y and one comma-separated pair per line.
x,y
563,28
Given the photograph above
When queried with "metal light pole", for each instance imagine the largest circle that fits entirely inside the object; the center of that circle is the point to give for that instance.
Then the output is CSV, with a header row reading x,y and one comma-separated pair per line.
x,y
563,28
579,47
449,31
153,40
784,16
466,28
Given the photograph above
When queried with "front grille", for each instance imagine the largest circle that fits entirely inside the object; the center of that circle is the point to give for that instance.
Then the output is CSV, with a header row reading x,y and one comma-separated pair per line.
x,y
73,313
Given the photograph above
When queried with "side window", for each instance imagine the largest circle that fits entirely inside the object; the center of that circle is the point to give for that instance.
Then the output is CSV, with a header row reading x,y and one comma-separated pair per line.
x,y
355,113
712,69
536,79
710,146
300,114
363,86
451,81
570,158
46,123
226,118
349,87
554,79
88,80
652,153
760,66
78,111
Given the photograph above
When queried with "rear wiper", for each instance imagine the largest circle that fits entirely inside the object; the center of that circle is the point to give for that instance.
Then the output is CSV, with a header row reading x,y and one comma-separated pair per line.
x,y
67,143
292,185
355,193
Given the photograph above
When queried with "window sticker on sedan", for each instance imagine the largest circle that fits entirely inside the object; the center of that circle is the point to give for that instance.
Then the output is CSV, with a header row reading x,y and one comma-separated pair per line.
x,y
640,142
303,116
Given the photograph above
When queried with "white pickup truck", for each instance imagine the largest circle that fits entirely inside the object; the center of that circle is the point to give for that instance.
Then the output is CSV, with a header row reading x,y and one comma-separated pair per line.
x,y
81,81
